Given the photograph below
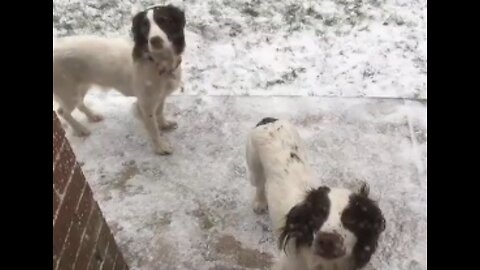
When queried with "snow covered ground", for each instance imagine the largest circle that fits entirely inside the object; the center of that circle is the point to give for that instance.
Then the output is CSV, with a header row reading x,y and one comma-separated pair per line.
x,y
350,74
345,48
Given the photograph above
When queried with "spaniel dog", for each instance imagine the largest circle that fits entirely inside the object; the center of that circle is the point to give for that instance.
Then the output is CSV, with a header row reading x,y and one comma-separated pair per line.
x,y
147,68
317,227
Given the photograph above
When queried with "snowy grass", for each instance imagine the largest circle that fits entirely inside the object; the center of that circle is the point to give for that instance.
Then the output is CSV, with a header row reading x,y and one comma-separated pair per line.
x,y
317,48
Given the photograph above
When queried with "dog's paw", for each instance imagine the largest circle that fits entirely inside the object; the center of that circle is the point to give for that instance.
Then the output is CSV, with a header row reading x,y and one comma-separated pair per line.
x,y
260,207
168,125
95,118
163,148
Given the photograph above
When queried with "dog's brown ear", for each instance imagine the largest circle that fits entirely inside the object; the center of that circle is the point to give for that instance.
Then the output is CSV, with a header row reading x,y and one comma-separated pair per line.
x,y
305,218
296,226
180,12
139,31
137,23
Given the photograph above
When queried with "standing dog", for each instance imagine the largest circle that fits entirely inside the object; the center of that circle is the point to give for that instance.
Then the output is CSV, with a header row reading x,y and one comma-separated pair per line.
x,y
319,228
149,69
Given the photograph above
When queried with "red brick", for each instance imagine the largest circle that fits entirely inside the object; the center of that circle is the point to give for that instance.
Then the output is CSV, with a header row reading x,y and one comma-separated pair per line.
x,y
119,263
80,233
63,168
57,148
77,182
58,135
55,260
110,255
56,203
78,174
89,238
66,212
84,207
103,238
60,228
75,188
67,261
115,259
98,255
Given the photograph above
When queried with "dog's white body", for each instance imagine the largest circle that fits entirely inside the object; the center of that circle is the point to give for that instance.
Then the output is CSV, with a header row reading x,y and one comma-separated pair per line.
x,y
83,61
280,187
266,150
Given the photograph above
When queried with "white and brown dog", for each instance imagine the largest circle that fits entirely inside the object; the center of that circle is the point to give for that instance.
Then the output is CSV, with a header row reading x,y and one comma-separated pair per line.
x,y
149,69
317,227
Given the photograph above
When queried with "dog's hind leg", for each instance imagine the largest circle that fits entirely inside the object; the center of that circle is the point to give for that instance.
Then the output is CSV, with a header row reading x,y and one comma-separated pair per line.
x,y
260,205
92,116
257,179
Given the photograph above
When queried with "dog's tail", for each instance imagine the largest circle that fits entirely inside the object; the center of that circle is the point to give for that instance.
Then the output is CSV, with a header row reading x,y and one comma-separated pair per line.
x,y
264,131
274,143
273,132
266,120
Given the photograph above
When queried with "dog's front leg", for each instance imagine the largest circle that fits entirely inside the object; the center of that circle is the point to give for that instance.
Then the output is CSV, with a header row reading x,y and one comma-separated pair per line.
x,y
257,179
162,122
148,108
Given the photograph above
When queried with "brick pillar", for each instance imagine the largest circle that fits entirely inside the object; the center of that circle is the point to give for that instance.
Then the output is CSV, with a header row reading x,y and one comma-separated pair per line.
x,y
81,237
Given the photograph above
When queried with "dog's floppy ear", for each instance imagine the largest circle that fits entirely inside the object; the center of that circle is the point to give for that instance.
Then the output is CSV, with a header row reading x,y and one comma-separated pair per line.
x,y
304,218
136,26
296,226
137,12
139,35
179,14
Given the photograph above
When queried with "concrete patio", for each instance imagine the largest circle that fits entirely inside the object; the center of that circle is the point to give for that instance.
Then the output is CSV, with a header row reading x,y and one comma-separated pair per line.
x,y
192,210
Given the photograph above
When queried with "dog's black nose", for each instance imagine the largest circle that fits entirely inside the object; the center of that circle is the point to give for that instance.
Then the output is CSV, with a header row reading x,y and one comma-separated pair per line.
x,y
156,42
329,245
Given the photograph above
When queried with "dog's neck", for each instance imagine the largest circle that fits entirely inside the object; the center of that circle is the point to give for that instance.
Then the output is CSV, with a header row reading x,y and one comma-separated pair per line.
x,y
147,57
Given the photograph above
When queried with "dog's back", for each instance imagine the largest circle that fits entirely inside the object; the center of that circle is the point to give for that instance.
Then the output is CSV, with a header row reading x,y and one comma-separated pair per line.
x,y
276,144
82,61
275,151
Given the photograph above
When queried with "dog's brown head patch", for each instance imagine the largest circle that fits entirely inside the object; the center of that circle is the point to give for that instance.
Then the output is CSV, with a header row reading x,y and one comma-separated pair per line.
x,y
170,19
